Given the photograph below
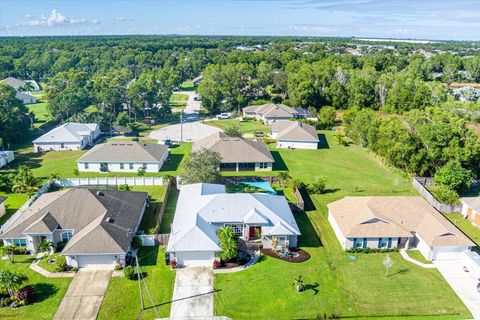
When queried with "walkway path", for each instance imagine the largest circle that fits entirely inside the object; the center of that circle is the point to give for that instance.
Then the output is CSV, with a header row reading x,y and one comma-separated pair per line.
x,y
84,295
405,255
193,293
35,267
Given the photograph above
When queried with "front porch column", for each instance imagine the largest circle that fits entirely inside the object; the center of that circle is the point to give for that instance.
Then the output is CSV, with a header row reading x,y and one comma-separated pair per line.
x,y
236,167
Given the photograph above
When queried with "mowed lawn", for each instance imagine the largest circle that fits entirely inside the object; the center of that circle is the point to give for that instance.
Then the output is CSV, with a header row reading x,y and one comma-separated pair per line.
x,y
39,109
466,226
157,196
246,126
357,288
122,299
50,292
12,204
178,101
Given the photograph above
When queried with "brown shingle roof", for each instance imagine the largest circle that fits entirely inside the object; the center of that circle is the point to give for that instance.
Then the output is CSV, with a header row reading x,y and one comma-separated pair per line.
x,y
130,151
395,216
235,149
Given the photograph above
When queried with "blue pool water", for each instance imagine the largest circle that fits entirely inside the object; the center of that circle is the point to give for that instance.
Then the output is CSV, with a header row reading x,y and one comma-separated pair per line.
x,y
264,185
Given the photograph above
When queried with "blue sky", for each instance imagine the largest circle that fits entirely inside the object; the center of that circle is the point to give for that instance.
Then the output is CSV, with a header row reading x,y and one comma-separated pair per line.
x,y
425,19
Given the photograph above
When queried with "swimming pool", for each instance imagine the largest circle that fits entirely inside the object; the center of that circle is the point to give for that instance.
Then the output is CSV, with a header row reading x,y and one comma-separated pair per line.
x,y
264,185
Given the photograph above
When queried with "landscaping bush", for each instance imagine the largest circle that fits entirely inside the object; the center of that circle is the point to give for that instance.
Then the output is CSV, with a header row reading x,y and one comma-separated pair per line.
x,y
454,176
26,294
371,250
59,246
60,264
129,272
5,302
446,195
318,187
21,250
295,184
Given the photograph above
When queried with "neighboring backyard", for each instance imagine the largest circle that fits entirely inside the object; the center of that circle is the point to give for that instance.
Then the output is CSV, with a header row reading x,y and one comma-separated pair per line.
x,y
246,126
352,288
39,109
122,299
178,101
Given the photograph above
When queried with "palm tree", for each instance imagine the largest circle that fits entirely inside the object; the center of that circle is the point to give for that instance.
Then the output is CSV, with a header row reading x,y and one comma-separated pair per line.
x,y
25,182
10,281
9,251
46,246
228,243
283,177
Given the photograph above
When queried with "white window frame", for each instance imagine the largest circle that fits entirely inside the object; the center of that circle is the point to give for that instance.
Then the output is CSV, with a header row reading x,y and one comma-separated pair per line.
x,y
238,228
64,233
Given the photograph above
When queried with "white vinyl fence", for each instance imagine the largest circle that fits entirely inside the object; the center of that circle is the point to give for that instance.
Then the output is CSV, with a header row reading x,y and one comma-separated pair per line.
x,y
110,181
147,240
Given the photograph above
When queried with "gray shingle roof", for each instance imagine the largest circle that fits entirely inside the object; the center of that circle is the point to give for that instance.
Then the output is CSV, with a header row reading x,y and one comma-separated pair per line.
x,y
271,110
13,82
3,199
130,151
22,95
85,211
295,131
235,149
67,132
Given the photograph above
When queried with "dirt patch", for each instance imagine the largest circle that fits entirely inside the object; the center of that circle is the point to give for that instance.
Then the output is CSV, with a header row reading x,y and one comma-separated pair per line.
x,y
298,256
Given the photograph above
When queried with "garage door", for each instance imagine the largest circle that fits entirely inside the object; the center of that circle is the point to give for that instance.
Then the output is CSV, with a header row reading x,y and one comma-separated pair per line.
x,y
448,253
97,261
195,258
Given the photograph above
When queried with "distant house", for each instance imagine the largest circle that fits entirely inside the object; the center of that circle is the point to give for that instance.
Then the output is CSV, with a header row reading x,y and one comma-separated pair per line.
x,y
271,112
19,84
466,94
6,157
69,136
471,209
396,222
123,157
294,135
25,97
2,205
196,81
96,227
203,208
238,154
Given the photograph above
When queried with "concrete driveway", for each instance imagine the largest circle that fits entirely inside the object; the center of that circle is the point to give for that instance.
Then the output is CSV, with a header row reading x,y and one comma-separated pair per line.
x,y
84,295
463,283
193,293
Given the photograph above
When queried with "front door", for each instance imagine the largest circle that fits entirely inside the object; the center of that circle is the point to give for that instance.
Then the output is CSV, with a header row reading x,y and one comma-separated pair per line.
x,y
254,232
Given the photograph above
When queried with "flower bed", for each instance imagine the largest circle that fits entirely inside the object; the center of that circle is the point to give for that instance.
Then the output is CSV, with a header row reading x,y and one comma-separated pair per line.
x,y
299,255
233,263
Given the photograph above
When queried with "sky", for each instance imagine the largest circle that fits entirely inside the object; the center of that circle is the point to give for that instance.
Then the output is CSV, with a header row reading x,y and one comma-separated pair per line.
x,y
418,19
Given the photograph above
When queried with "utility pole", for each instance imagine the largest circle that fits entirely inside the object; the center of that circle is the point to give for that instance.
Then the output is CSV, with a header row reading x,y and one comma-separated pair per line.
x,y
140,283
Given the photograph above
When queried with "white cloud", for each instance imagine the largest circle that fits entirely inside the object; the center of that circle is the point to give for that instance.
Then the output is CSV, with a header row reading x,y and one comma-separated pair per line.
x,y
56,18
120,19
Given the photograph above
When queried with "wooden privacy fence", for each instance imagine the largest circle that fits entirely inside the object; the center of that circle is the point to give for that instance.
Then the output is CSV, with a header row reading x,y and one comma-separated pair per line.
x,y
162,238
164,203
110,181
419,184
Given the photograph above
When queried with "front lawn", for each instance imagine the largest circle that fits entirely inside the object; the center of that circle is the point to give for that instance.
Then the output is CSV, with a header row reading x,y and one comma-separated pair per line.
x,y
246,126
356,288
50,291
417,255
50,267
122,300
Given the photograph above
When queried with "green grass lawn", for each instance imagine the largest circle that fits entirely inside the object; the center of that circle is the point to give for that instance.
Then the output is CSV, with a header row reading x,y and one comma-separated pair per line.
x,y
417,255
50,292
351,288
157,196
43,263
178,101
122,300
12,204
39,109
246,127
169,212
466,226
187,86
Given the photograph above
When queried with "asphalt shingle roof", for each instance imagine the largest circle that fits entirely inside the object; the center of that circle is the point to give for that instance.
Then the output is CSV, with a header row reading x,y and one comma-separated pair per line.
x,y
131,151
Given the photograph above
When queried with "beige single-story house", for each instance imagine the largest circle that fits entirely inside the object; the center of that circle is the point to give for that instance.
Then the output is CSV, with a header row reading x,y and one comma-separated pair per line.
x,y
25,97
238,154
471,209
396,222
271,112
203,208
2,205
294,135
96,226
68,136
123,157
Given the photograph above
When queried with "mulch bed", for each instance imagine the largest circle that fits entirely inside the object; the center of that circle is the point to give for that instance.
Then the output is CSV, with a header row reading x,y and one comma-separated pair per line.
x,y
302,255
233,263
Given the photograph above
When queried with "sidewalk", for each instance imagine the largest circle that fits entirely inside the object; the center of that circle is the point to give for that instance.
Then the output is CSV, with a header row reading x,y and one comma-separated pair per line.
x,y
34,266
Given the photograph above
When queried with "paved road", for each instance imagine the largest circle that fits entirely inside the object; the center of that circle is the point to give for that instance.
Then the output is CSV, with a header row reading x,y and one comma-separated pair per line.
x,y
84,295
191,130
193,293
463,283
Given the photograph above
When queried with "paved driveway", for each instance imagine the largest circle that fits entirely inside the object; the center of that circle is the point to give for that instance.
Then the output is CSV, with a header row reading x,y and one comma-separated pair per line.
x,y
193,293
84,295
463,283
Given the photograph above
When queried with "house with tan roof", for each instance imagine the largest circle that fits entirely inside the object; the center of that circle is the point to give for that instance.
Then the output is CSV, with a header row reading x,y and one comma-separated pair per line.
x,y
123,157
471,209
96,227
294,135
202,208
237,154
396,222
271,112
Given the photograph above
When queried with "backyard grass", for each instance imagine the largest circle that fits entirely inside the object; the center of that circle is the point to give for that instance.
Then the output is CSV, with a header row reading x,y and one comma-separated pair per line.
x,y
157,196
12,204
39,109
187,86
122,300
246,127
466,226
169,212
417,255
50,291
358,288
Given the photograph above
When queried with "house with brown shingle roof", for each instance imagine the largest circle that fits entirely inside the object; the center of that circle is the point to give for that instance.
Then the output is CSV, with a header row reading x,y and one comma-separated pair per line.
x,y
237,154
271,112
294,135
96,226
396,222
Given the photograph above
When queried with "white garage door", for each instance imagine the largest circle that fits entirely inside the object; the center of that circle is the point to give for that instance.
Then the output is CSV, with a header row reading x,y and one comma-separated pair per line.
x,y
96,261
195,258
447,253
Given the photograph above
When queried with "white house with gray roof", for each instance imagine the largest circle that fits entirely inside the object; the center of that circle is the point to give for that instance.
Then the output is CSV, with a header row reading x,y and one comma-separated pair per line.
x,y
123,157
96,226
203,208
68,136
271,112
19,84
25,97
294,135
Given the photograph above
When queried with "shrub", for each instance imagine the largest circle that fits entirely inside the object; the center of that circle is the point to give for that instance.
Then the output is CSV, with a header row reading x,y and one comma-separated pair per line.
x,y
454,176
117,267
135,139
26,294
141,171
446,195
129,272
233,131
136,242
296,184
60,264
59,246
124,187
5,302
371,250
318,187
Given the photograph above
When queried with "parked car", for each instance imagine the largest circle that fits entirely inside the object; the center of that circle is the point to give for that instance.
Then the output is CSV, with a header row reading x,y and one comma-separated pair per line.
x,y
197,98
259,134
168,142
224,116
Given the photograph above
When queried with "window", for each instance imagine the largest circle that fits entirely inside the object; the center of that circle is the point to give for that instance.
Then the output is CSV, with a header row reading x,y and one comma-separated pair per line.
x,y
66,236
237,228
263,165
122,166
20,242
382,242
62,145
357,242
85,165
144,166
130,165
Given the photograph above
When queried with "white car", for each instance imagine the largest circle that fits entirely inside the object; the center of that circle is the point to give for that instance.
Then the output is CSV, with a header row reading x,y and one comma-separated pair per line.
x,y
224,115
